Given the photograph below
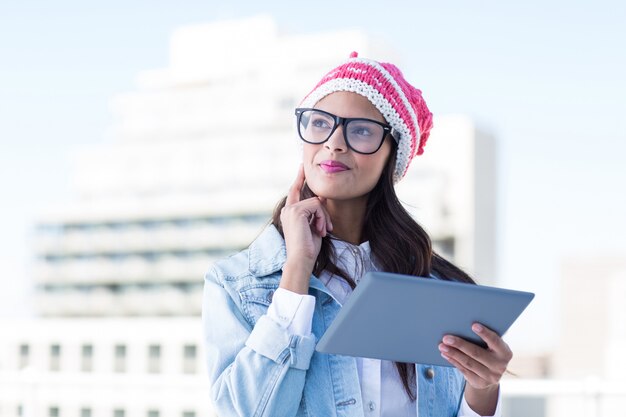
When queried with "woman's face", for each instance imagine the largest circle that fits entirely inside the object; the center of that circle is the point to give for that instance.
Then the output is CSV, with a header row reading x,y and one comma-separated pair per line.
x,y
361,172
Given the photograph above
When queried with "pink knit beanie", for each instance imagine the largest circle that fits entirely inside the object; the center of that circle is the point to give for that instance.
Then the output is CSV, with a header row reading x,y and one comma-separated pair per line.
x,y
384,86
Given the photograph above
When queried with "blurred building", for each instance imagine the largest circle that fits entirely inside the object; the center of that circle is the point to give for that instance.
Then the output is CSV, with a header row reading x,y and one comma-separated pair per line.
x,y
102,368
584,375
592,338
197,158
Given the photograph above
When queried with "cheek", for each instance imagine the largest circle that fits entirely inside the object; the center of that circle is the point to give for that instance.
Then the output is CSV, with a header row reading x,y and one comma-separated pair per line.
x,y
308,155
374,176
385,154
375,167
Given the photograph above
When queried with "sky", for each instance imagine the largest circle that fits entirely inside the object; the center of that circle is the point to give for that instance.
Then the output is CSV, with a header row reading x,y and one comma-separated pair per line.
x,y
545,77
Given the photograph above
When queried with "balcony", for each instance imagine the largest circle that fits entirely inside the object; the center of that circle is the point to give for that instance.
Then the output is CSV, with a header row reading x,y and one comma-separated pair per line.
x,y
131,269
130,301
136,239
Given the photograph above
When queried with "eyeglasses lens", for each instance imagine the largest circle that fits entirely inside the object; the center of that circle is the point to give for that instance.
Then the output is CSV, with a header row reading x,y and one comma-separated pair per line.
x,y
363,136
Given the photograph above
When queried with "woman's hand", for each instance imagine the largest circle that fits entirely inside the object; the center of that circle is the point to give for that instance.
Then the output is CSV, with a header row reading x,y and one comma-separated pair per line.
x,y
304,224
482,368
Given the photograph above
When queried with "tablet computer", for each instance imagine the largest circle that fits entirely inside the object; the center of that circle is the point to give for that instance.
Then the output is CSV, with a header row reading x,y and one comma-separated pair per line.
x,y
403,318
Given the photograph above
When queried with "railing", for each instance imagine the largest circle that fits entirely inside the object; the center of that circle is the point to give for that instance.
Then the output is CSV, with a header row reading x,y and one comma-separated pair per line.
x,y
588,397
591,397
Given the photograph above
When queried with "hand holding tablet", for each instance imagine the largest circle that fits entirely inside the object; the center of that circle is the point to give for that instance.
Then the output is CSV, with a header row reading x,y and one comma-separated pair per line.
x,y
404,318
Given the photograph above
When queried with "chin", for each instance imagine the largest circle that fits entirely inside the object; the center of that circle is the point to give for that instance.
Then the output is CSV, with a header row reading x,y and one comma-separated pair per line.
x,y
330,192
334,193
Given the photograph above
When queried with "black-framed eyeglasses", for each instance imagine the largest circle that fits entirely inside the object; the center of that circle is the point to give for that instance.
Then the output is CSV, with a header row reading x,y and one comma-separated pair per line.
x,y
363,136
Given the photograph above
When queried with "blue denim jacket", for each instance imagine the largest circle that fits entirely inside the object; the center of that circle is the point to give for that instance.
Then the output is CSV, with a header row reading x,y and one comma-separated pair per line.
x,y
257,369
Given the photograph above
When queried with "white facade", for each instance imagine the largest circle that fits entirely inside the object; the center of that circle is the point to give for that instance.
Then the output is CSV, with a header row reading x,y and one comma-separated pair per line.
x,y
76,366
592,340
198,156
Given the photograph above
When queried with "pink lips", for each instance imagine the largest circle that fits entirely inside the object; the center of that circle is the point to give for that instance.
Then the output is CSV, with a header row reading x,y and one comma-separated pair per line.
x,y
333,166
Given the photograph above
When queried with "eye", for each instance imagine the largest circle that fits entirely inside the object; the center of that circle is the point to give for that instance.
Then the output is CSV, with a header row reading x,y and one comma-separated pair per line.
x,y
321,122
361,130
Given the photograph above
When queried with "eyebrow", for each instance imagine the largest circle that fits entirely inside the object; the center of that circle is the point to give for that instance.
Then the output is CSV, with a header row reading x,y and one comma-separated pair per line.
x,y
353,117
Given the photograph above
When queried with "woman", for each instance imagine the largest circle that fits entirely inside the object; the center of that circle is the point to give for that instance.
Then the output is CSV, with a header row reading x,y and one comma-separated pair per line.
x,y
265,307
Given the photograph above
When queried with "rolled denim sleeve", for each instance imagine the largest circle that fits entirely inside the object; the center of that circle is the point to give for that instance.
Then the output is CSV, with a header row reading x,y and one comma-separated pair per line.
x,y
276,343
254,371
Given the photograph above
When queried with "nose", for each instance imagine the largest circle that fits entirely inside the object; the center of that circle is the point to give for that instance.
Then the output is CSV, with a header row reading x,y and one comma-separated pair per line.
x,y
336,142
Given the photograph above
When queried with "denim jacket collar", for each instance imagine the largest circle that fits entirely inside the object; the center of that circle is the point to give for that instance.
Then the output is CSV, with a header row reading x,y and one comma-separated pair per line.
x,y
267,254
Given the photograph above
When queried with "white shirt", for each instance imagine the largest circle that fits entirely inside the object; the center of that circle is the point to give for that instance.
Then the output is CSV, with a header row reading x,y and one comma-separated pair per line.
x,y
381,388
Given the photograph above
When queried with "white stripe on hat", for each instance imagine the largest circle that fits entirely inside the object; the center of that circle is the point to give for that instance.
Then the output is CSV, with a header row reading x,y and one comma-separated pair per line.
x,y
405,100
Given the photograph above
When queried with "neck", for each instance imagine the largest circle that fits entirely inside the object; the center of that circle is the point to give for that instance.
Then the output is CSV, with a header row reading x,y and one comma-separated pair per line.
x,y
347,217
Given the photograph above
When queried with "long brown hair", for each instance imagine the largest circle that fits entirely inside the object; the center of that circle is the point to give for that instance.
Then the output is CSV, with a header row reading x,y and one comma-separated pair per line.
x,y
398,244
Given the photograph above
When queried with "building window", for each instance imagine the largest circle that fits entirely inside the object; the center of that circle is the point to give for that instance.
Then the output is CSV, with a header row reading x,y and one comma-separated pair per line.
x,y
189,414
118,413
119,362
85,412
154,358
53,412
55,357
86,364
24,355
189,359
153,413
